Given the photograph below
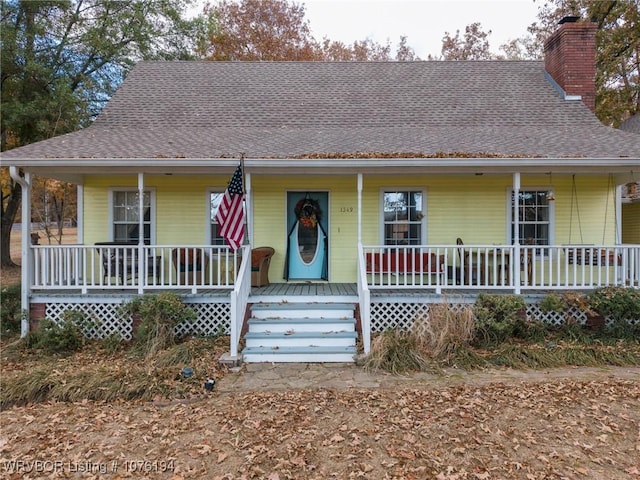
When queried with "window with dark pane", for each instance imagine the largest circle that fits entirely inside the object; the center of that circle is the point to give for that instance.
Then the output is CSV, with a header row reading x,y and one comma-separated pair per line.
x,y
533,217
402,217
126,216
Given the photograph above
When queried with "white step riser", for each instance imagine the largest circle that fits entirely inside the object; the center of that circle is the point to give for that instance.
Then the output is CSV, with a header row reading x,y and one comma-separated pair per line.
x,y
315,332
301,326
301,342
300,313
299,358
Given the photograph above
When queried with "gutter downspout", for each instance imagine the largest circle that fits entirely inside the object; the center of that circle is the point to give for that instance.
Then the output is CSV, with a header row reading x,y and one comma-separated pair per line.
x,y
26,267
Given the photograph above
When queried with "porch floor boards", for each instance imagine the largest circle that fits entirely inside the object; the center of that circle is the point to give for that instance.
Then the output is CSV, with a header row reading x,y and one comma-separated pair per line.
x,y
128,293
303,291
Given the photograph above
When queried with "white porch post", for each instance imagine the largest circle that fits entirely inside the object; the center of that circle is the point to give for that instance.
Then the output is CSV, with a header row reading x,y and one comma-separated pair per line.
x,y
142,273
25,243
618,210
515,264
249,207
363,290
359,209
80,214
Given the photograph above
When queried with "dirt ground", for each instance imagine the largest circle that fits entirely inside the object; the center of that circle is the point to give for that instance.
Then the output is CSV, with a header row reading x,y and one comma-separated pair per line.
x,y
526,429
531,427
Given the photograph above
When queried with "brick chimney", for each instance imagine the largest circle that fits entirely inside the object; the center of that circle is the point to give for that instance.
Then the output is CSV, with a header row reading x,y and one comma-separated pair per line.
x,y
570,59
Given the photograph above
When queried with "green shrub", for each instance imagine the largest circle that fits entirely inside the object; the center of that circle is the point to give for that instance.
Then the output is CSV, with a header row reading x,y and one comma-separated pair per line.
x,y
112,343
10,311
552,303
498,318
159,315
621,304
64,337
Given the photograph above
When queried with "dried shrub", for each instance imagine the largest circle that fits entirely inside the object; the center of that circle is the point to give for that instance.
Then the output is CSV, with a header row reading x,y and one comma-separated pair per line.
x,y
445,331
437,338
397,352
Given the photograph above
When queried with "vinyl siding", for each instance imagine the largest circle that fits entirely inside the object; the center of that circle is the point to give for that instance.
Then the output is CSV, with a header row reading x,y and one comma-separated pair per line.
x,y
631,223
587,214
181,206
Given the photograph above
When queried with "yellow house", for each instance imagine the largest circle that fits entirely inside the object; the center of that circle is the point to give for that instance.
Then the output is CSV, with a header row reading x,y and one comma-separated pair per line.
x,y
380,187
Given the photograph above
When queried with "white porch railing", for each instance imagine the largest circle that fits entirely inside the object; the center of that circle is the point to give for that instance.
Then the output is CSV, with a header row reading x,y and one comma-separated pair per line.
x,y
483,267
364,302
239,300
501,267
132,267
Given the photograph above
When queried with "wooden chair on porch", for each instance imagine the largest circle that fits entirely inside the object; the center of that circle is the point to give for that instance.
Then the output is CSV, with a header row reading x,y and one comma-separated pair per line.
x,y
526,259
466,264
260,260
118,263
123,262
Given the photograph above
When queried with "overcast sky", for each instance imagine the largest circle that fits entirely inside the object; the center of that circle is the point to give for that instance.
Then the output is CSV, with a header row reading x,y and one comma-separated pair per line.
x,y
423,22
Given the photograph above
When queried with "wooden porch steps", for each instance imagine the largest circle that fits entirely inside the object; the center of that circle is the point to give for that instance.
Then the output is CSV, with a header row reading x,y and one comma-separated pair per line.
x,y
301,332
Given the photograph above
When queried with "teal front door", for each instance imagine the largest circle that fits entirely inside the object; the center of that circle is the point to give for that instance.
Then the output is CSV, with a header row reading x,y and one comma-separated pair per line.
x,y
307,239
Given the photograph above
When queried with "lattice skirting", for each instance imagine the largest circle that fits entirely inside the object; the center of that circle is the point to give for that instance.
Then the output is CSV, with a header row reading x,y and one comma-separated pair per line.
x,y
214,318
104,322
398,315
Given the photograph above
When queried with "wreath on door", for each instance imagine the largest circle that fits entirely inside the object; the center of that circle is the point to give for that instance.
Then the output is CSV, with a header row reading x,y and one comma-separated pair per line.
x,y
308,212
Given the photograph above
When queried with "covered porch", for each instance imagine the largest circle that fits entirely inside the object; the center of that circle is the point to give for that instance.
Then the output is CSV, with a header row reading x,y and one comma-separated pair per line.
x,y
386,281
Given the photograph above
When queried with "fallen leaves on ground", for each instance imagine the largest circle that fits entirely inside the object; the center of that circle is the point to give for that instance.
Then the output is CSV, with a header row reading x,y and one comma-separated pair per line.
x,y
554,429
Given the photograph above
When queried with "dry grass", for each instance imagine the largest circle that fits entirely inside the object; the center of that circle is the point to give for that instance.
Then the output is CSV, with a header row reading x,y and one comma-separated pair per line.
x,y
95,374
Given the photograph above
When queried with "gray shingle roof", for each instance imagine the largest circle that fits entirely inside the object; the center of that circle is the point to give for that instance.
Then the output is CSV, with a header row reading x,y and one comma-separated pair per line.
x,y
282,109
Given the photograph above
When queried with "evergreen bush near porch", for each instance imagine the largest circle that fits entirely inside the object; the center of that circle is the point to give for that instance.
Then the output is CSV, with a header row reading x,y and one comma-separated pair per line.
x,y
10,311
617,303
158,317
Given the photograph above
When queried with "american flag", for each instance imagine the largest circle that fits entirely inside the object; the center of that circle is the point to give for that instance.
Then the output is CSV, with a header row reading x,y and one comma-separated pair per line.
x,y
230,214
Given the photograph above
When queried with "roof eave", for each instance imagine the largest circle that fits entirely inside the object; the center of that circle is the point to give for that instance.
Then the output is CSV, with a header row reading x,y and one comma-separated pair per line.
x,y
333,165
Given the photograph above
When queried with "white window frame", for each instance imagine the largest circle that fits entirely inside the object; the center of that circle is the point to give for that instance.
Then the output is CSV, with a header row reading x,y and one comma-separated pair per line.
x,y
152,218
422,222
510,207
